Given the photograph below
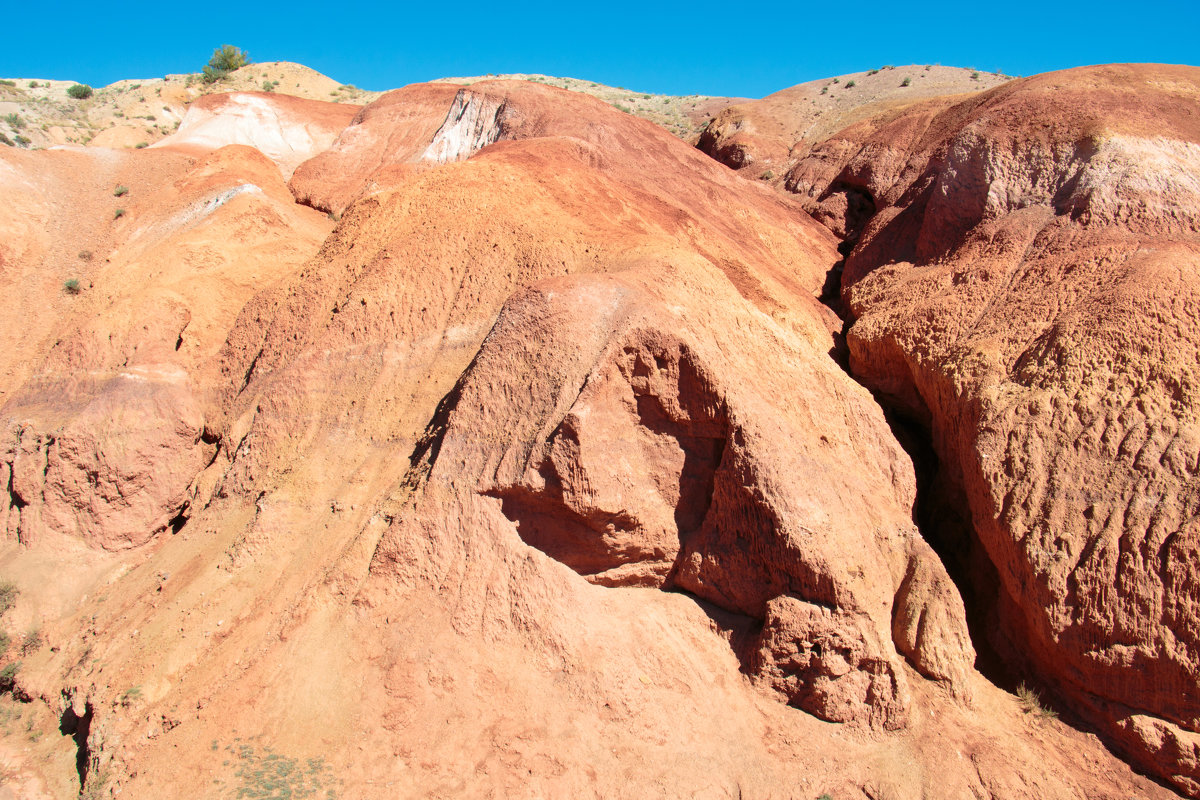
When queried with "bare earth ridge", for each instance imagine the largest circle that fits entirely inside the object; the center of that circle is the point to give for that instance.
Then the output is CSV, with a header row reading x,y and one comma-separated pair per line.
x,y
483,439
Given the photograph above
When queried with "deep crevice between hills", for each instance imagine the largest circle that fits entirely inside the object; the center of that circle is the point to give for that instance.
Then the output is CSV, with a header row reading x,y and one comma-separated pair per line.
x,y
942,515
941,511
944,520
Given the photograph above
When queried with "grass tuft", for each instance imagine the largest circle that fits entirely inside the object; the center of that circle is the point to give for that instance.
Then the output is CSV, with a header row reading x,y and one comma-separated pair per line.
x,y
1031,703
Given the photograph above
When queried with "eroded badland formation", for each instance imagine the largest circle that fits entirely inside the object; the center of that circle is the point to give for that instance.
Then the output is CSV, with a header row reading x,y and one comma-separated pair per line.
x,y
483,439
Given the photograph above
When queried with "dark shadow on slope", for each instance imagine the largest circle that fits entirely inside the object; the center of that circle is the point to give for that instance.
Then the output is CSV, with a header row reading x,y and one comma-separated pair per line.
x,y
78,728
942,517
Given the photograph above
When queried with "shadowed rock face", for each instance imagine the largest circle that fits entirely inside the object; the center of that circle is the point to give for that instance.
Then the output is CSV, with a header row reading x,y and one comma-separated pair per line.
x,y
624,525
1028,289
637,458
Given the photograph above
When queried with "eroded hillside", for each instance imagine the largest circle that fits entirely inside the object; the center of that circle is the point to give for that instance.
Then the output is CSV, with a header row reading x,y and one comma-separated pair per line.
x,y
488,440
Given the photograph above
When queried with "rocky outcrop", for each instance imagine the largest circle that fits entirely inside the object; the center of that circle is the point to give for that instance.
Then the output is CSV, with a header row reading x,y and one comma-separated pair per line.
x,y
1026,290
380,147
288,130
626,448
108,462
473,122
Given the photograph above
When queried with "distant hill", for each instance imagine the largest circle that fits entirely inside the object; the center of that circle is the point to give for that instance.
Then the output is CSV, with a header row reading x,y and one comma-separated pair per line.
x,y
759,136
134,112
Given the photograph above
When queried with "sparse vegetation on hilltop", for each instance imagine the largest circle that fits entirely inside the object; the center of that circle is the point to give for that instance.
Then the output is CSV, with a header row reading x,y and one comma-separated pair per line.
x,y
79,91
225,59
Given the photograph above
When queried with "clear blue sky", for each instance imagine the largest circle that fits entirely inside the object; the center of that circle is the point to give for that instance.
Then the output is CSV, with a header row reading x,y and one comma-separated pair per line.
x,y
733,48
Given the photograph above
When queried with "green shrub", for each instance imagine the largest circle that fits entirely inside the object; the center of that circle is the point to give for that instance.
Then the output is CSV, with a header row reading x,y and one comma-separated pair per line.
x,y
850,84
120,212
225,59
32,641
8,676
767,176
4,642
79,91
872,72
1031,703
974,76
906,82
140,145
131,696
8,596
15,121
21,140
71,286
120,190
4,82
33,84
262,774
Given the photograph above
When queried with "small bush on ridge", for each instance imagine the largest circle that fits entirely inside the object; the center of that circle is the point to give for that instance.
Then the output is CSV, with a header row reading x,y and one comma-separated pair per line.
x,y
225,59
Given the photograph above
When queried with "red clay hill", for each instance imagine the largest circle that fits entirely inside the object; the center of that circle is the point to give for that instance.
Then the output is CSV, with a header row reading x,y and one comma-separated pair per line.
x,y
509,449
